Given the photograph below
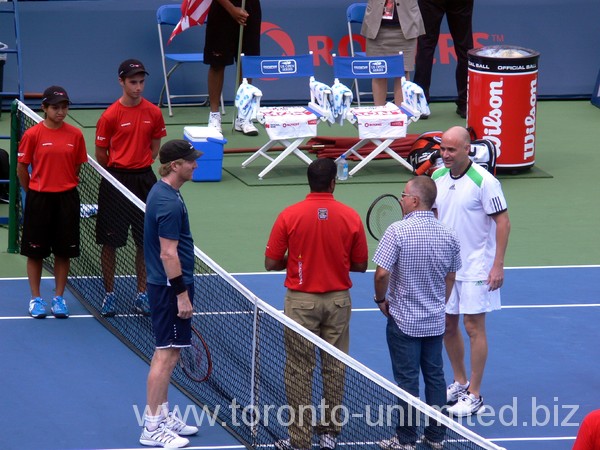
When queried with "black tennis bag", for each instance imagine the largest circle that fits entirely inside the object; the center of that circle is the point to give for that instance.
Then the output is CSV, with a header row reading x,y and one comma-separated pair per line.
x,y
483,152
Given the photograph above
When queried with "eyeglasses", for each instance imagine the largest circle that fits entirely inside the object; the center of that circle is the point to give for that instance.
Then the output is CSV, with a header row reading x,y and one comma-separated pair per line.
x,y
404,195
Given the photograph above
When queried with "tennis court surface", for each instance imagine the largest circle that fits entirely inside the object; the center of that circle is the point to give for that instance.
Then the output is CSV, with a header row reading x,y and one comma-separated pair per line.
x,y
70,384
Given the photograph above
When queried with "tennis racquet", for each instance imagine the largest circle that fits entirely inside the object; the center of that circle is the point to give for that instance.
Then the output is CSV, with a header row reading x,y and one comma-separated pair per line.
x,y
384,211
195,360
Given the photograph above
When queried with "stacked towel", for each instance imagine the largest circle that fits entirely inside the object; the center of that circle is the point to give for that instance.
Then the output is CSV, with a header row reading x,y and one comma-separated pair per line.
x,y
342,99
414,97
247,101
322,95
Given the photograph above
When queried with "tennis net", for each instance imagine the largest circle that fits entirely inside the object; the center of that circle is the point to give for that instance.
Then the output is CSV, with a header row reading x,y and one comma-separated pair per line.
x,y
246,391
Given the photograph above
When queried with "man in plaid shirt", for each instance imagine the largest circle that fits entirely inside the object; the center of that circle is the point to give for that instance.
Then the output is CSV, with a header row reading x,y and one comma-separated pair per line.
x,y
417,259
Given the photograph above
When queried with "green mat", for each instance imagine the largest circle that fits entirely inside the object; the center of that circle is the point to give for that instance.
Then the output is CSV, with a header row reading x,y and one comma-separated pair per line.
x,y
291,171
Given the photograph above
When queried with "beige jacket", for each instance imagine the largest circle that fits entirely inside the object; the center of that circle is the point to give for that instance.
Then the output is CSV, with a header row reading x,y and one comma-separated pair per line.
x,y
409,14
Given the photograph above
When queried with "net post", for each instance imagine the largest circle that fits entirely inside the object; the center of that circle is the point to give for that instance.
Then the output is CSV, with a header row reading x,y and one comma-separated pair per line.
x,y
13,220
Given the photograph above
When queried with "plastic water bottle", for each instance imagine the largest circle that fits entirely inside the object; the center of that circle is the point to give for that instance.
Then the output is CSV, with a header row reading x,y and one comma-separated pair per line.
x,y
342,168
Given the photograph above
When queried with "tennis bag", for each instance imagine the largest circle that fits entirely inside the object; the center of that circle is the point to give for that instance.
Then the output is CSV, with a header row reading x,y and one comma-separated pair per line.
x,y
425,158
426,149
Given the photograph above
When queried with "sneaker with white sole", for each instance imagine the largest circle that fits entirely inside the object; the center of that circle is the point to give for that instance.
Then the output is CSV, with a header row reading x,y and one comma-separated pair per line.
x,y
37,308
394,444
214,121
327,441
142,304
285,444
467,405
108,305
178,426
162,437
435,445
59,308
246,127
455,391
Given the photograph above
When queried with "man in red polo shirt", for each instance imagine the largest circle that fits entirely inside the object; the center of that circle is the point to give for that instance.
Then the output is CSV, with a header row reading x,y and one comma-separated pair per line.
x,y
128,137
319,241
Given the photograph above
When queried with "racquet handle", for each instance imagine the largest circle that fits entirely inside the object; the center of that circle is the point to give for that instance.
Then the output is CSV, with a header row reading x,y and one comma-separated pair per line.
x,y
423,168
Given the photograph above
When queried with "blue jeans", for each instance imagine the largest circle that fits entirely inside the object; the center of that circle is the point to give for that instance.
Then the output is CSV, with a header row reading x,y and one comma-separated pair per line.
x,y
410,355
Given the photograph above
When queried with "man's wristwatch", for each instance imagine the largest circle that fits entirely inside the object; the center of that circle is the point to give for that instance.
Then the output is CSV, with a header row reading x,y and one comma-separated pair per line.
x,y
378,301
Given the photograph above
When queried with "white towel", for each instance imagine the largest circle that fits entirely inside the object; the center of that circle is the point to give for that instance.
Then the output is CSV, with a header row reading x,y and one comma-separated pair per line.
x,y
322,95
247,101
342,100
414,97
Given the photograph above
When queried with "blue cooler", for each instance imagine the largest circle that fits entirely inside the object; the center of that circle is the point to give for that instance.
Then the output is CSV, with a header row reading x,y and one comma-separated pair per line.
x,y
211,142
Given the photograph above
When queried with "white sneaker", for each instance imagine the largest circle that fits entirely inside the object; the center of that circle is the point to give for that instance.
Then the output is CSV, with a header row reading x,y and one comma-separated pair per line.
x,y
467,405
455,391
284,444
394,444
162,437
327,441
246,127
178,426
214,121
435,445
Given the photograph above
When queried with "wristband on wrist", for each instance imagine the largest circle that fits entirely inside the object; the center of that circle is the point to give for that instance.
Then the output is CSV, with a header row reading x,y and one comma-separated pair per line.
x,y
178,284
378,301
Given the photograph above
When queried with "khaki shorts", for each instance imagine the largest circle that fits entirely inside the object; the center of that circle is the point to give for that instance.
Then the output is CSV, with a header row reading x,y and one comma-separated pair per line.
x,y
389,41
472,297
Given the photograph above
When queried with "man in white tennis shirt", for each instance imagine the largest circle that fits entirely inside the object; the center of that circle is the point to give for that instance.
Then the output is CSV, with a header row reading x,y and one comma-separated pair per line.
x,y
470,200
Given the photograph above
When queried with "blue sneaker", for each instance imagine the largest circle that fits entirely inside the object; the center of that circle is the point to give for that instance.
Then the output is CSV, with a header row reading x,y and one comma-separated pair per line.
x,y
108,306
59,308
37,308
142,304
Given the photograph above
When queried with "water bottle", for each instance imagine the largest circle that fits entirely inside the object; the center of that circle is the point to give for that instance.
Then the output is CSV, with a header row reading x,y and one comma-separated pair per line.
x,y
342,168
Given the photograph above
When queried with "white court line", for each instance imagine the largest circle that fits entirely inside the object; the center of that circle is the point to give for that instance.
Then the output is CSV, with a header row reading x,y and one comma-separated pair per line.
x,y
573,305
50,316
584,266
557,438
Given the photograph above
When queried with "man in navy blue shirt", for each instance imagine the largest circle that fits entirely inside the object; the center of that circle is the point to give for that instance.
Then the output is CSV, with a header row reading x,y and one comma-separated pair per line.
x,y
169,257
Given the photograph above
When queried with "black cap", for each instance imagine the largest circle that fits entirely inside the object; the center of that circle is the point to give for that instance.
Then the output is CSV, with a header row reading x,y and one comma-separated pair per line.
x,y
131,67
178,149
54,95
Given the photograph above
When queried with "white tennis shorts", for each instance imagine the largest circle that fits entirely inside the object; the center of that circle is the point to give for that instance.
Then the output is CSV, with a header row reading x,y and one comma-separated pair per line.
x,y
472,297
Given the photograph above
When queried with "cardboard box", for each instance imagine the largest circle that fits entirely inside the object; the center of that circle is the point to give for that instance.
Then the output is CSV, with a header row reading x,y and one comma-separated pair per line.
x,y
211,142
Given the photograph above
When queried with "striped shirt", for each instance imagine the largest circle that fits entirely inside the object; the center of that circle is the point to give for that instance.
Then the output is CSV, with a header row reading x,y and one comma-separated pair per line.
x,y
418,251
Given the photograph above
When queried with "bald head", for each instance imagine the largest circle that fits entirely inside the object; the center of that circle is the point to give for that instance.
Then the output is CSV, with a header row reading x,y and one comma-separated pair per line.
x,y
454,149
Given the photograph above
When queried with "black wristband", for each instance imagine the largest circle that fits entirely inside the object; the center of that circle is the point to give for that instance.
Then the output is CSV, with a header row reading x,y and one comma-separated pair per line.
x,y
178,284
378,301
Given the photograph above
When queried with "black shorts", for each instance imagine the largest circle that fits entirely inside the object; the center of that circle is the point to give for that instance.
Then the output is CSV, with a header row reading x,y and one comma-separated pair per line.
x,y
51,224
222,34
169,330
116,213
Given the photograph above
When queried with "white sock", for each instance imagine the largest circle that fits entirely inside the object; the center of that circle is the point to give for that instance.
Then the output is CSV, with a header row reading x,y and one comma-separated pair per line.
x,y
164,409
151,422
215,114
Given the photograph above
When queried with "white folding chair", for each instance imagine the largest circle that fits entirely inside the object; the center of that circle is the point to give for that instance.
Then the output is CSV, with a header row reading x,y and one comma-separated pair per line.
x,y
288,126
167,17
389,121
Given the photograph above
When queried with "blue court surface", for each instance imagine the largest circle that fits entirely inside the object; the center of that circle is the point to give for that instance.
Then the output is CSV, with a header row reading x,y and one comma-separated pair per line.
x,y
70,384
